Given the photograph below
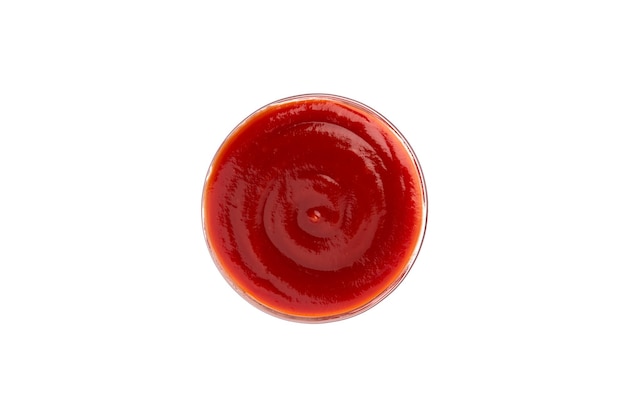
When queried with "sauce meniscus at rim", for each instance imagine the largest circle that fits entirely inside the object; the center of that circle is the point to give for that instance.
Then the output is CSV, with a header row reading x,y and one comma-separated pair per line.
x,y
314,208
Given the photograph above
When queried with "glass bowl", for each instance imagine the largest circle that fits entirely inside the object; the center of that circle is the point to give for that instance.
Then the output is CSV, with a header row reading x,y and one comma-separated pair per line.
x,y
314,208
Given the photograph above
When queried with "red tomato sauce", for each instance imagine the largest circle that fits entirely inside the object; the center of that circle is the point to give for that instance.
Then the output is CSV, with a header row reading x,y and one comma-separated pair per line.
x,y
314,208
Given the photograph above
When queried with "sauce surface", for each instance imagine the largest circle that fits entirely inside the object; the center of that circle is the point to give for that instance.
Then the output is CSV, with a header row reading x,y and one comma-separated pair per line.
x,y
314,208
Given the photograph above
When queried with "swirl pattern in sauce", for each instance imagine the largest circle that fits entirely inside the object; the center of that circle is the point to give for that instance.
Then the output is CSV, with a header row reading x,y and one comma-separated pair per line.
x,y
314,208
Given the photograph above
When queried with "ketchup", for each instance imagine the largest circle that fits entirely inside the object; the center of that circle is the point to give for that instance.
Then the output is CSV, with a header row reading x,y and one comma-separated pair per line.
x,y
314,208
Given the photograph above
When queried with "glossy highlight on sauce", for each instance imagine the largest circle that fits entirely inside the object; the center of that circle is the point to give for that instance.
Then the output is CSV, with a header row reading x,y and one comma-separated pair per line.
x,y
314,208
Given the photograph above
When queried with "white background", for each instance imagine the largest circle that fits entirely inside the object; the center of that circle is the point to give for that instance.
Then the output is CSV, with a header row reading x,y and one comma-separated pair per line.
x,y
110,113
